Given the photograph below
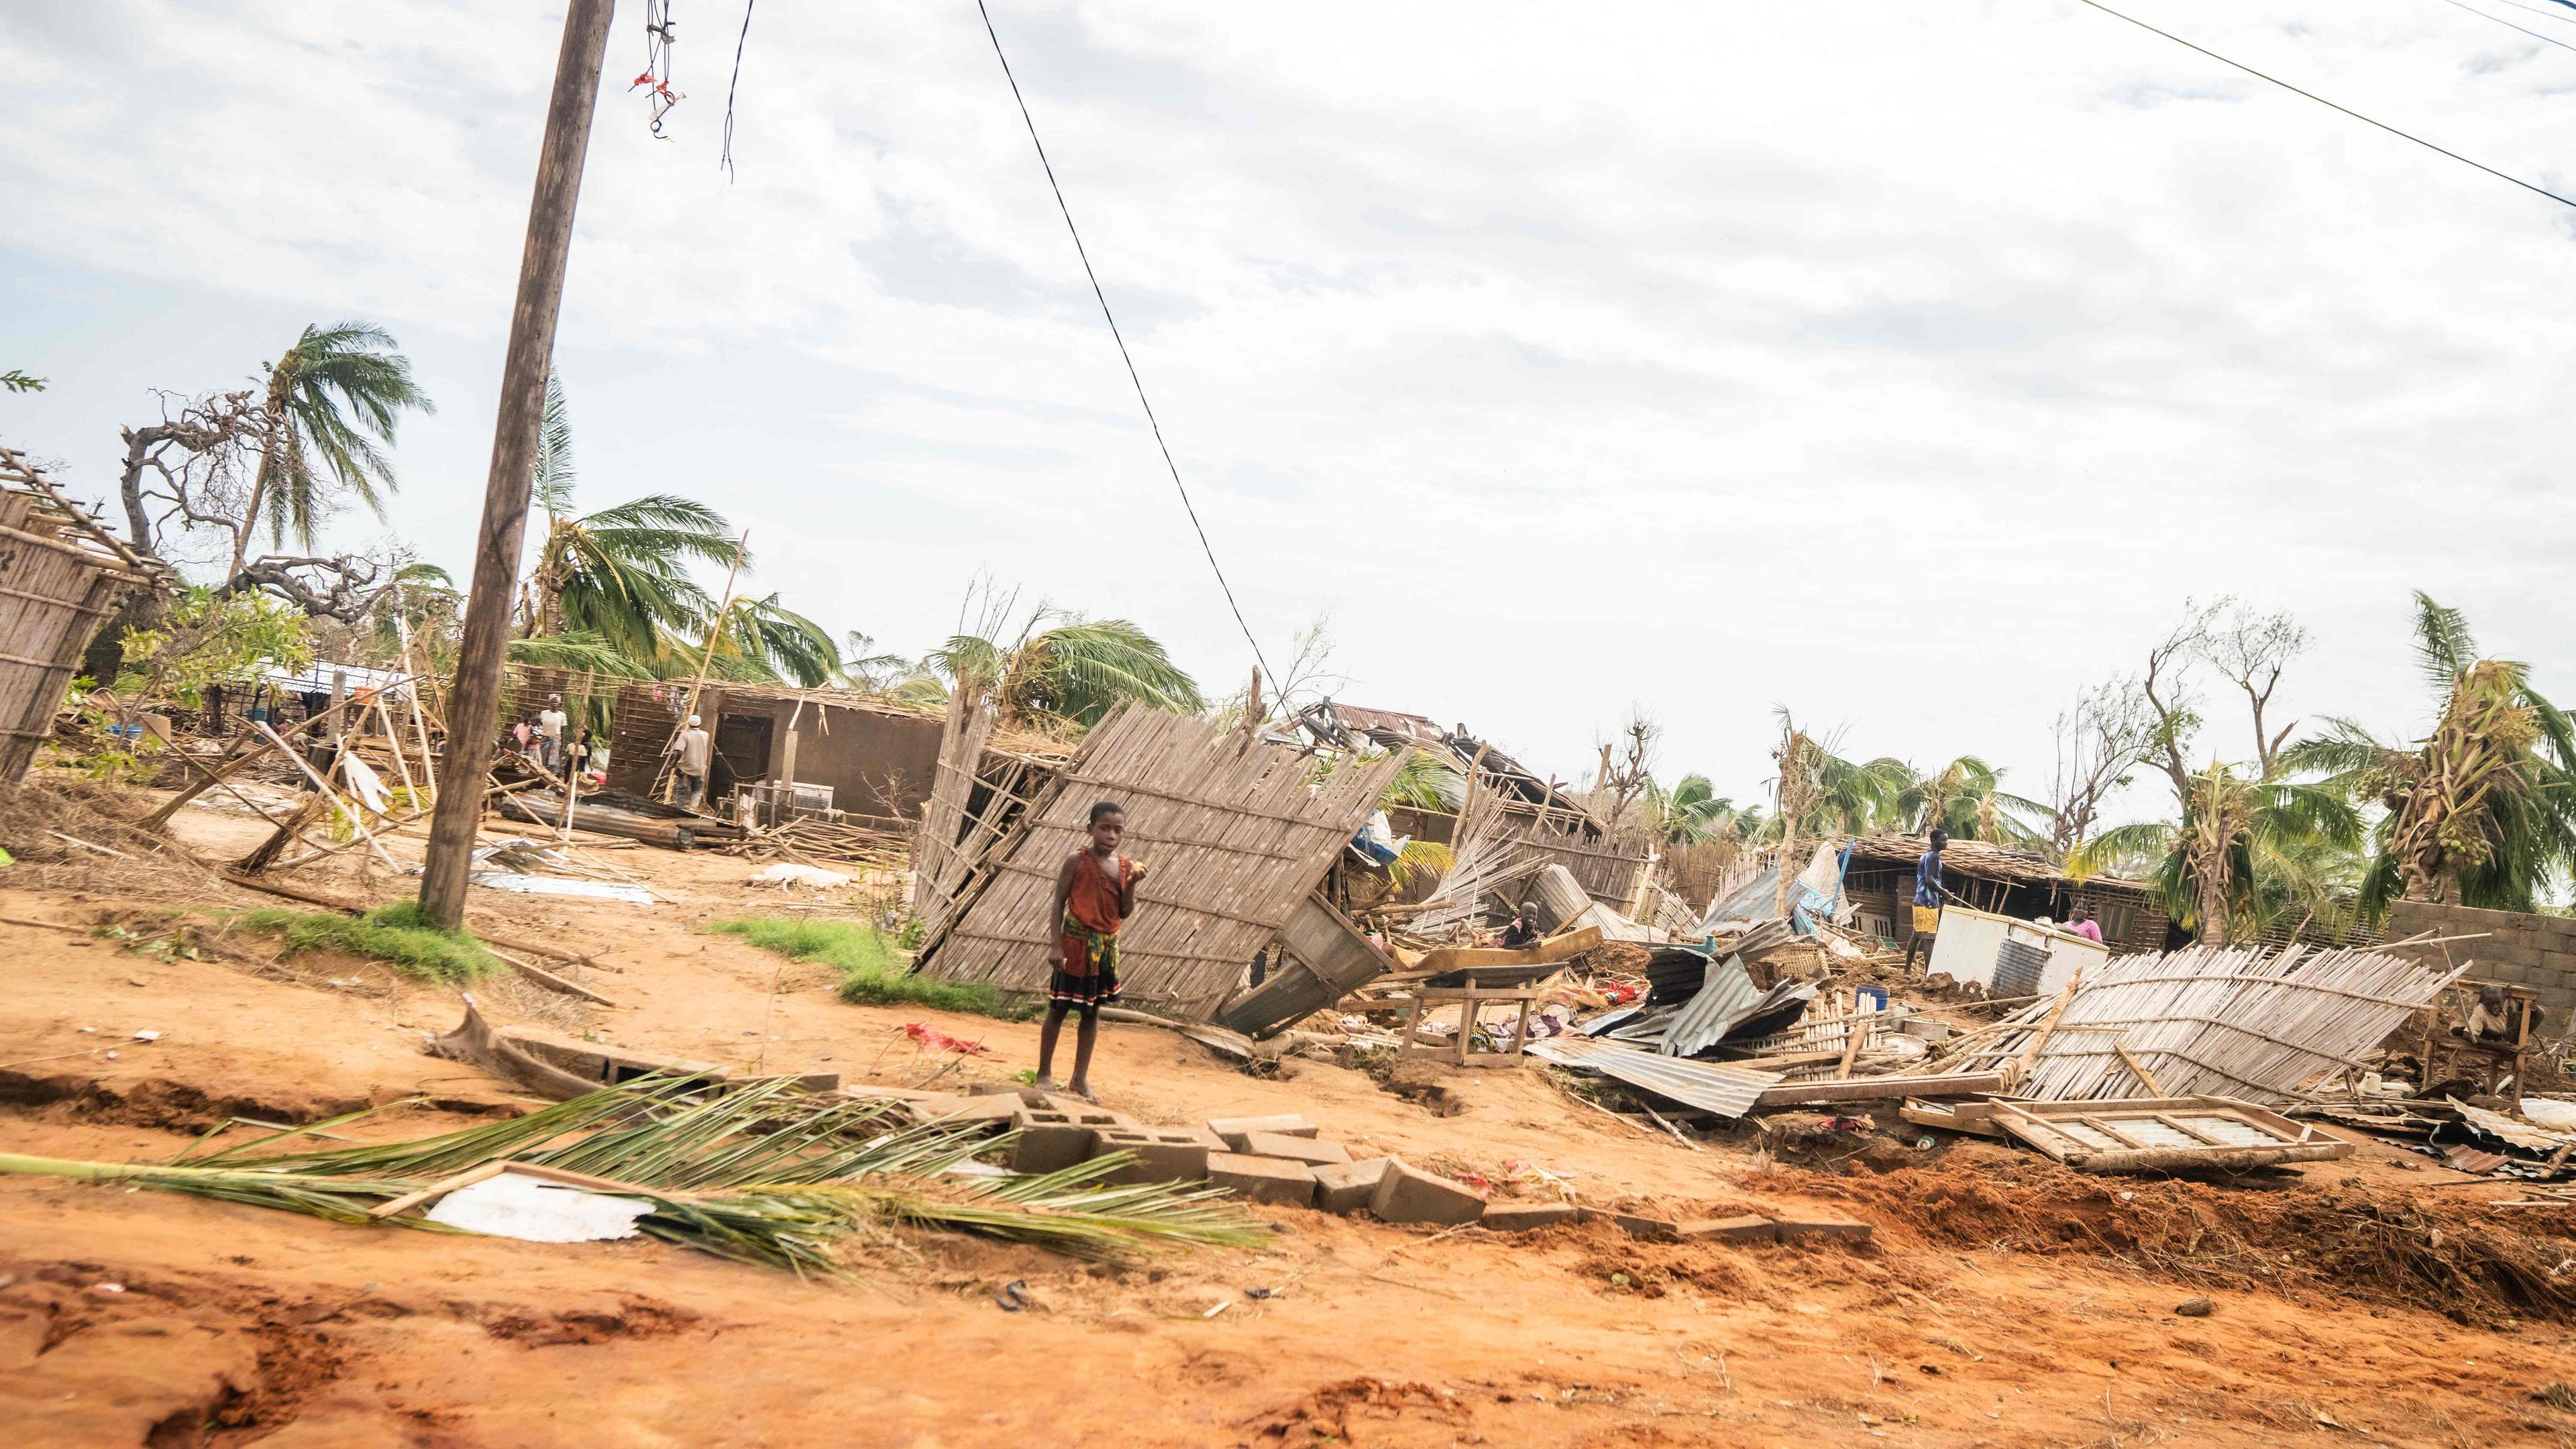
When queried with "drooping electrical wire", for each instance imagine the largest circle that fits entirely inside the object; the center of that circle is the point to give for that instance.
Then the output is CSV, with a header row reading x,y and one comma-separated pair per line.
x,y
661,32
2509,25
1123,355
2320,100
732,85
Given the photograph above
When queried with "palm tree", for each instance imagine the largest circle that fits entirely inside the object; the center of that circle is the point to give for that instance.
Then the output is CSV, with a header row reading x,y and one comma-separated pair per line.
x,y
1822,793
1965,799
763,640
1695,811
334,395
2482,811
2245,856
620,575
863,666
1062,666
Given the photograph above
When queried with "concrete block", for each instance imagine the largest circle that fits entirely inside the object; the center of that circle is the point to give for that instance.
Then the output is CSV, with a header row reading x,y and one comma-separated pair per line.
x,y
1521,1217
1160,1156
1051,1141
1311,1151
1409,1195
1750,1228
1286,1124
1640,1225
1346,1187
931,1106
1818,1225
987,1109
1262,1179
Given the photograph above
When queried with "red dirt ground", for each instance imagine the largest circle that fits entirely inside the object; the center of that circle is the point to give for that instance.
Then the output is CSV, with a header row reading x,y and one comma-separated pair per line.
x,y
2003,1303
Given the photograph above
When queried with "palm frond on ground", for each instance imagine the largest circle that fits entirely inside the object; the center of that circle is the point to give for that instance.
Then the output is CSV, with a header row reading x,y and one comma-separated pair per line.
x,y
764,1175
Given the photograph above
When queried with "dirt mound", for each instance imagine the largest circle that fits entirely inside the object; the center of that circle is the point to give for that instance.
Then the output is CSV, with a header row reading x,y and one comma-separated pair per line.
x,y
636,1317
2295,1241
1325,1415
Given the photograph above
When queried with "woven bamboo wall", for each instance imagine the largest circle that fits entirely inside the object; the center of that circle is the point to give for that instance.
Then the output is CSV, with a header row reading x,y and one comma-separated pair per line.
x,y
1234,836
56,586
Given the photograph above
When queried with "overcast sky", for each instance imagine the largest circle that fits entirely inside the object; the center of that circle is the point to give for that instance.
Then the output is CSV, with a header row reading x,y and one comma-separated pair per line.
x,y
1904,364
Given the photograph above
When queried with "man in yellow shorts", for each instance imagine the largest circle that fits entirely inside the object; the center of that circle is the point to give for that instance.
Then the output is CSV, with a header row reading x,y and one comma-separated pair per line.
x,y
1927,900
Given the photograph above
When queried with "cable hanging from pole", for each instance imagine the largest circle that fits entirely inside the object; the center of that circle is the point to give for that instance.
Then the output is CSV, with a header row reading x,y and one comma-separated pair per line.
x,y
1123,355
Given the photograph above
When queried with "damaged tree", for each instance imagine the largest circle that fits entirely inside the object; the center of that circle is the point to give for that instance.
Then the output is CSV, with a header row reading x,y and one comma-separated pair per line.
x,y
276,460
2482,810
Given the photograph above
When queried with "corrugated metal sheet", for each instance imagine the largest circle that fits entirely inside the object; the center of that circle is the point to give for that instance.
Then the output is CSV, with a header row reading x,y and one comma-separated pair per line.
x,y
1709,1086
1724,997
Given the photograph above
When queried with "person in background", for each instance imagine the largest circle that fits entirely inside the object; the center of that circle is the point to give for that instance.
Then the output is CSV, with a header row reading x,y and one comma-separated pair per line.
x,y
695,748
1523,931
2079,922
1095,893
520,734
1927,900
550,734
577,756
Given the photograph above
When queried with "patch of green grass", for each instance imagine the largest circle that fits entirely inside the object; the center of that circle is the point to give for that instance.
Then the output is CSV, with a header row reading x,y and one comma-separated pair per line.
x,y
400,935
872,970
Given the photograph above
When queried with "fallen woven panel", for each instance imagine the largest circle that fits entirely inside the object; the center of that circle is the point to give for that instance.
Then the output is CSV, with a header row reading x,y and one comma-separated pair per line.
x,y
1709,1086
1235,834
2237,1022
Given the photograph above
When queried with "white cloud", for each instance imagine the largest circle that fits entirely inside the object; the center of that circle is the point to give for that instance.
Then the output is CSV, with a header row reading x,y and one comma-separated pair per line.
x,y
1907,364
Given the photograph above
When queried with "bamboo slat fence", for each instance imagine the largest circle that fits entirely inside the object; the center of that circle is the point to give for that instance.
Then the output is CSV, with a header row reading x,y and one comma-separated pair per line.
x,y
60,577
1235,833
2228,1022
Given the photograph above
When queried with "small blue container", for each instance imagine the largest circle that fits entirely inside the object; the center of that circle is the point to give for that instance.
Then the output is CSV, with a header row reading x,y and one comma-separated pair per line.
x,y
1869,998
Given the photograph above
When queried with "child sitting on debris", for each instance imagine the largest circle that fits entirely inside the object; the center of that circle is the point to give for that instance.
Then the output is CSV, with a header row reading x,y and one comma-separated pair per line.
x,y
1095,891
1523,931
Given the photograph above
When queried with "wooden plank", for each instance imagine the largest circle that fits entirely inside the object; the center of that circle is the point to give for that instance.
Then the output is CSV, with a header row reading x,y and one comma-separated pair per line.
x,y
1867,1089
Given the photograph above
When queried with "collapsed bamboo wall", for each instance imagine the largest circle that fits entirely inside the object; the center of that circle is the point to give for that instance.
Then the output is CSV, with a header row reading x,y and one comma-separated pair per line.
x,y
59,580
2220,1021
1235,833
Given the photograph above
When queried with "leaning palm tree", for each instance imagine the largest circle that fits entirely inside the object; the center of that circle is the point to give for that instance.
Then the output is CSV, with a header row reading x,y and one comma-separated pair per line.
x,y
2481,811
332,398
620,575
2247,855
1062,666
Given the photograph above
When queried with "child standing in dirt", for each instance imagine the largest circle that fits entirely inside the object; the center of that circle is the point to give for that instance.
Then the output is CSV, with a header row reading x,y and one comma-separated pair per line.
x,y
1095,892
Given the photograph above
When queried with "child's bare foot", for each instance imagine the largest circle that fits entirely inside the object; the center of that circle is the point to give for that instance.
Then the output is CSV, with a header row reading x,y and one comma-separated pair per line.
x,y
1083,1090
1044,1084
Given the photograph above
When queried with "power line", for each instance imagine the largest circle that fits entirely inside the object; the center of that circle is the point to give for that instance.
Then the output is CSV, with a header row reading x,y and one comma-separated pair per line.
x,y
1124,356
2320,100
2544,14
2509,25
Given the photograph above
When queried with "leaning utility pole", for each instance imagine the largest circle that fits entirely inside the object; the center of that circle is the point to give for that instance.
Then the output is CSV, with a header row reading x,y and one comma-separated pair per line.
x,y
473,705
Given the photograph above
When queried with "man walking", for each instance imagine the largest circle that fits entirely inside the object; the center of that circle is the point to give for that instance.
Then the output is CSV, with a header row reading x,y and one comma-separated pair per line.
x,y
695,747
550,734
1927,901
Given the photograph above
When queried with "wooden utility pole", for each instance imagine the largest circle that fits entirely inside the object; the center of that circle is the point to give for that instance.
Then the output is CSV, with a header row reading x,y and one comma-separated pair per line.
x,y
473,705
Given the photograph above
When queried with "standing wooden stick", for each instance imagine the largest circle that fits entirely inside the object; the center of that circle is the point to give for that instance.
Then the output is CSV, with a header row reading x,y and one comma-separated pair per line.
x,y
475,701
